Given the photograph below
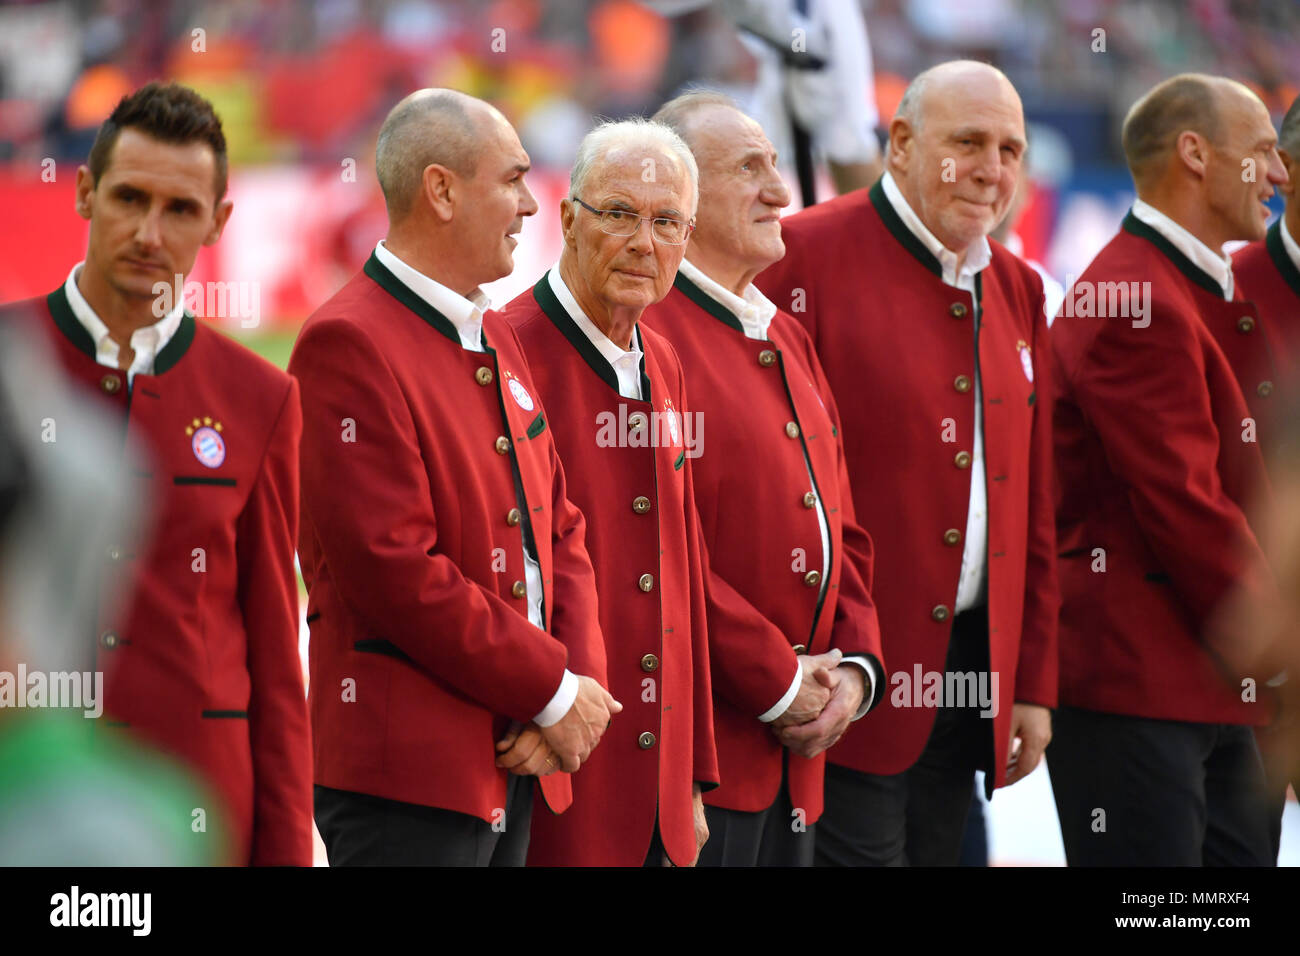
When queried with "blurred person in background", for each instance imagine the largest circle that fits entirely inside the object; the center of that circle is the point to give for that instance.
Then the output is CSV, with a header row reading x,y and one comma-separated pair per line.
x,y
203,659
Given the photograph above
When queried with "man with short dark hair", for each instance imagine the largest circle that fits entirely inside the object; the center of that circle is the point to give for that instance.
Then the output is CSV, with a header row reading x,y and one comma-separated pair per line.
x,y
203,661
1161,428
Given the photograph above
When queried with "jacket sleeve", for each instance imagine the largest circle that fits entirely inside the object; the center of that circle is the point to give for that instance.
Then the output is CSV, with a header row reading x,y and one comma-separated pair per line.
x,y
1038,663
371,507
279,731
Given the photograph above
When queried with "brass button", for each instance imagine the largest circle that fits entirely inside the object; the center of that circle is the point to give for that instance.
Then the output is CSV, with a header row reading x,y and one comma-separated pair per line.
x,y
791,430
961,459
115,553
958,310
1265,389
951,536
503,444
108,639
649,663
961,383
940,612
111,384
767,358
636,420
812,578
799,649
809,499
640,504
646,582
646,740
519,589
1246,324
483,376
513,516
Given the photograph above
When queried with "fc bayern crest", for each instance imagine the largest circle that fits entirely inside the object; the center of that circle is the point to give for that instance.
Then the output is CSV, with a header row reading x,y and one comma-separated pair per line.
x,y
1026,362
671,416
209,447
520,395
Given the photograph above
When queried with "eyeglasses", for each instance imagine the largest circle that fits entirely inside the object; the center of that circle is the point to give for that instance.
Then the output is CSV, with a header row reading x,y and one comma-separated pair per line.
x,y
621,222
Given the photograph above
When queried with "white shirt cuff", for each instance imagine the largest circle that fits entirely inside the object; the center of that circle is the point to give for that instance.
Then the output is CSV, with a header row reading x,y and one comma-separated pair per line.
x,y
561,702
782,705
868,684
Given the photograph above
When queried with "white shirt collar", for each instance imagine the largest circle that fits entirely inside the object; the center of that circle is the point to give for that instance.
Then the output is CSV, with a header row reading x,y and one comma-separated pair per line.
x,y
464,313
626,365
978,256
754,310
1214,264
146,342
1289,243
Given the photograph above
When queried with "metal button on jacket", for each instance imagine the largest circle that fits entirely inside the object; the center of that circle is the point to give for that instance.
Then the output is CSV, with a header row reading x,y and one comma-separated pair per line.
x,y
503,445
640,504
812,578
646,740
513,517
108,639
940,612
519,589
111,384
1265,389
951,536
483,376
961,459
809,499
799,649
791,430
958,310
649,663
1246,324
961,383
767,358
636,420
646,582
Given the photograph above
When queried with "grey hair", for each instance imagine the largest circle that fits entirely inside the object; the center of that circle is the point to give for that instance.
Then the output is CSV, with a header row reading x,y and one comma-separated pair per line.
x,y
426,128
1288,135
638,131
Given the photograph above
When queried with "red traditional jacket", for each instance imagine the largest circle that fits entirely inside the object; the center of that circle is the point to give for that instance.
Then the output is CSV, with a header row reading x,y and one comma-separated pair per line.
x,y
1269,278
630,473
901,355
202,660
412,549
764,405
1158,456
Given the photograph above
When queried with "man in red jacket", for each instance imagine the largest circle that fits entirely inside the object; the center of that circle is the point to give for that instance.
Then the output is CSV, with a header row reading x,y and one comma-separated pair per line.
x,y
934,342
788,595
1166,382
617,399
455,650
203,659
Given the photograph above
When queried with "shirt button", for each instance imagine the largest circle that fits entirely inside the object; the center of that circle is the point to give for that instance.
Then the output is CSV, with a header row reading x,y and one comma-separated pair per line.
x,y
1265,389
940,612
636,420
812,578
767,358
649,663
646,582
483,376
1246,324
115,553
519,589
108,639
503,445
799,649
958,310
111,384
951,536
961,383
809,499
640,504
791,430
513,516
646,740
961,459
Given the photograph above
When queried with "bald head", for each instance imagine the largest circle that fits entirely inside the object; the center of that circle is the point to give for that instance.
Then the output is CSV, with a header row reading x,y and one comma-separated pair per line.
x,y
968,78
1188,102
429,127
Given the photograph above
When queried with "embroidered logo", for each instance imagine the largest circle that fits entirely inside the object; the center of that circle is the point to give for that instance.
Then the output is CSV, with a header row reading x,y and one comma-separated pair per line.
x,y
1026,360
519,393
206,442
670,415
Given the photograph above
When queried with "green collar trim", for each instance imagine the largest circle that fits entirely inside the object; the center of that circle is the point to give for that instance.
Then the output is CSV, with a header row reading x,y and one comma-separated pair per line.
x,y
560,318
1135,226
66,321
899,229
1277,252
707,302
399,291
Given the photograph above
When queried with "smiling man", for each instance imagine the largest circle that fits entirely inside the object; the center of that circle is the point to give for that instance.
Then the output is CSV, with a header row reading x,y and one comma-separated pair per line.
x,y
934,342
203,660
1161,431
630,209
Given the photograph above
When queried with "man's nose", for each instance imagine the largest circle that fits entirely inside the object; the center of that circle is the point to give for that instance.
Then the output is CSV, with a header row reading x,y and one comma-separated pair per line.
x,y
148,231
643,240
776,192
529,204
1277,174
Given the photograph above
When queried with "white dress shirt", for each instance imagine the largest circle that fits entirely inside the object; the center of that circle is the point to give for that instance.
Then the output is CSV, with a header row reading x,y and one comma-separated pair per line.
x,y
1215,264
626,364
755,312
972,584
1289,244
466,314
146,342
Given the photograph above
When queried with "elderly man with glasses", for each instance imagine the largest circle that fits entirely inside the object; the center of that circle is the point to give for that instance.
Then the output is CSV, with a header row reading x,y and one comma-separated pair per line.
x,y
615,402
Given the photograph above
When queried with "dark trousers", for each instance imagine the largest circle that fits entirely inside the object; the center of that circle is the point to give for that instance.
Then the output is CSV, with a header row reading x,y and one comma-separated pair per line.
x,y
917,817
1132,791
771,837
363,830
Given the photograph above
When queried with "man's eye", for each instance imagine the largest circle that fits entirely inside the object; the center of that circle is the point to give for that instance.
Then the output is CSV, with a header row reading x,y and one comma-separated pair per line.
x,y
746,166
615,215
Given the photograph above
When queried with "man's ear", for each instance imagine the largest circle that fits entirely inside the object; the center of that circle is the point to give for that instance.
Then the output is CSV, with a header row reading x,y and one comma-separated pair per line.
x,y
85,192
1193,151
902,139
220,216
439,188
569,222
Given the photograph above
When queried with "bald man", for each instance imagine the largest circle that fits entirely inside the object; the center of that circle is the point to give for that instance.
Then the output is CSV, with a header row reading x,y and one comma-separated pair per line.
x,y
1162,423
455,650
934,340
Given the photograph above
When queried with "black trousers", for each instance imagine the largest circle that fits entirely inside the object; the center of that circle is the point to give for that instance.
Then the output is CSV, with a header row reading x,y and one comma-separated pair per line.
x,y
771,837
363,830
1132,791
917,817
